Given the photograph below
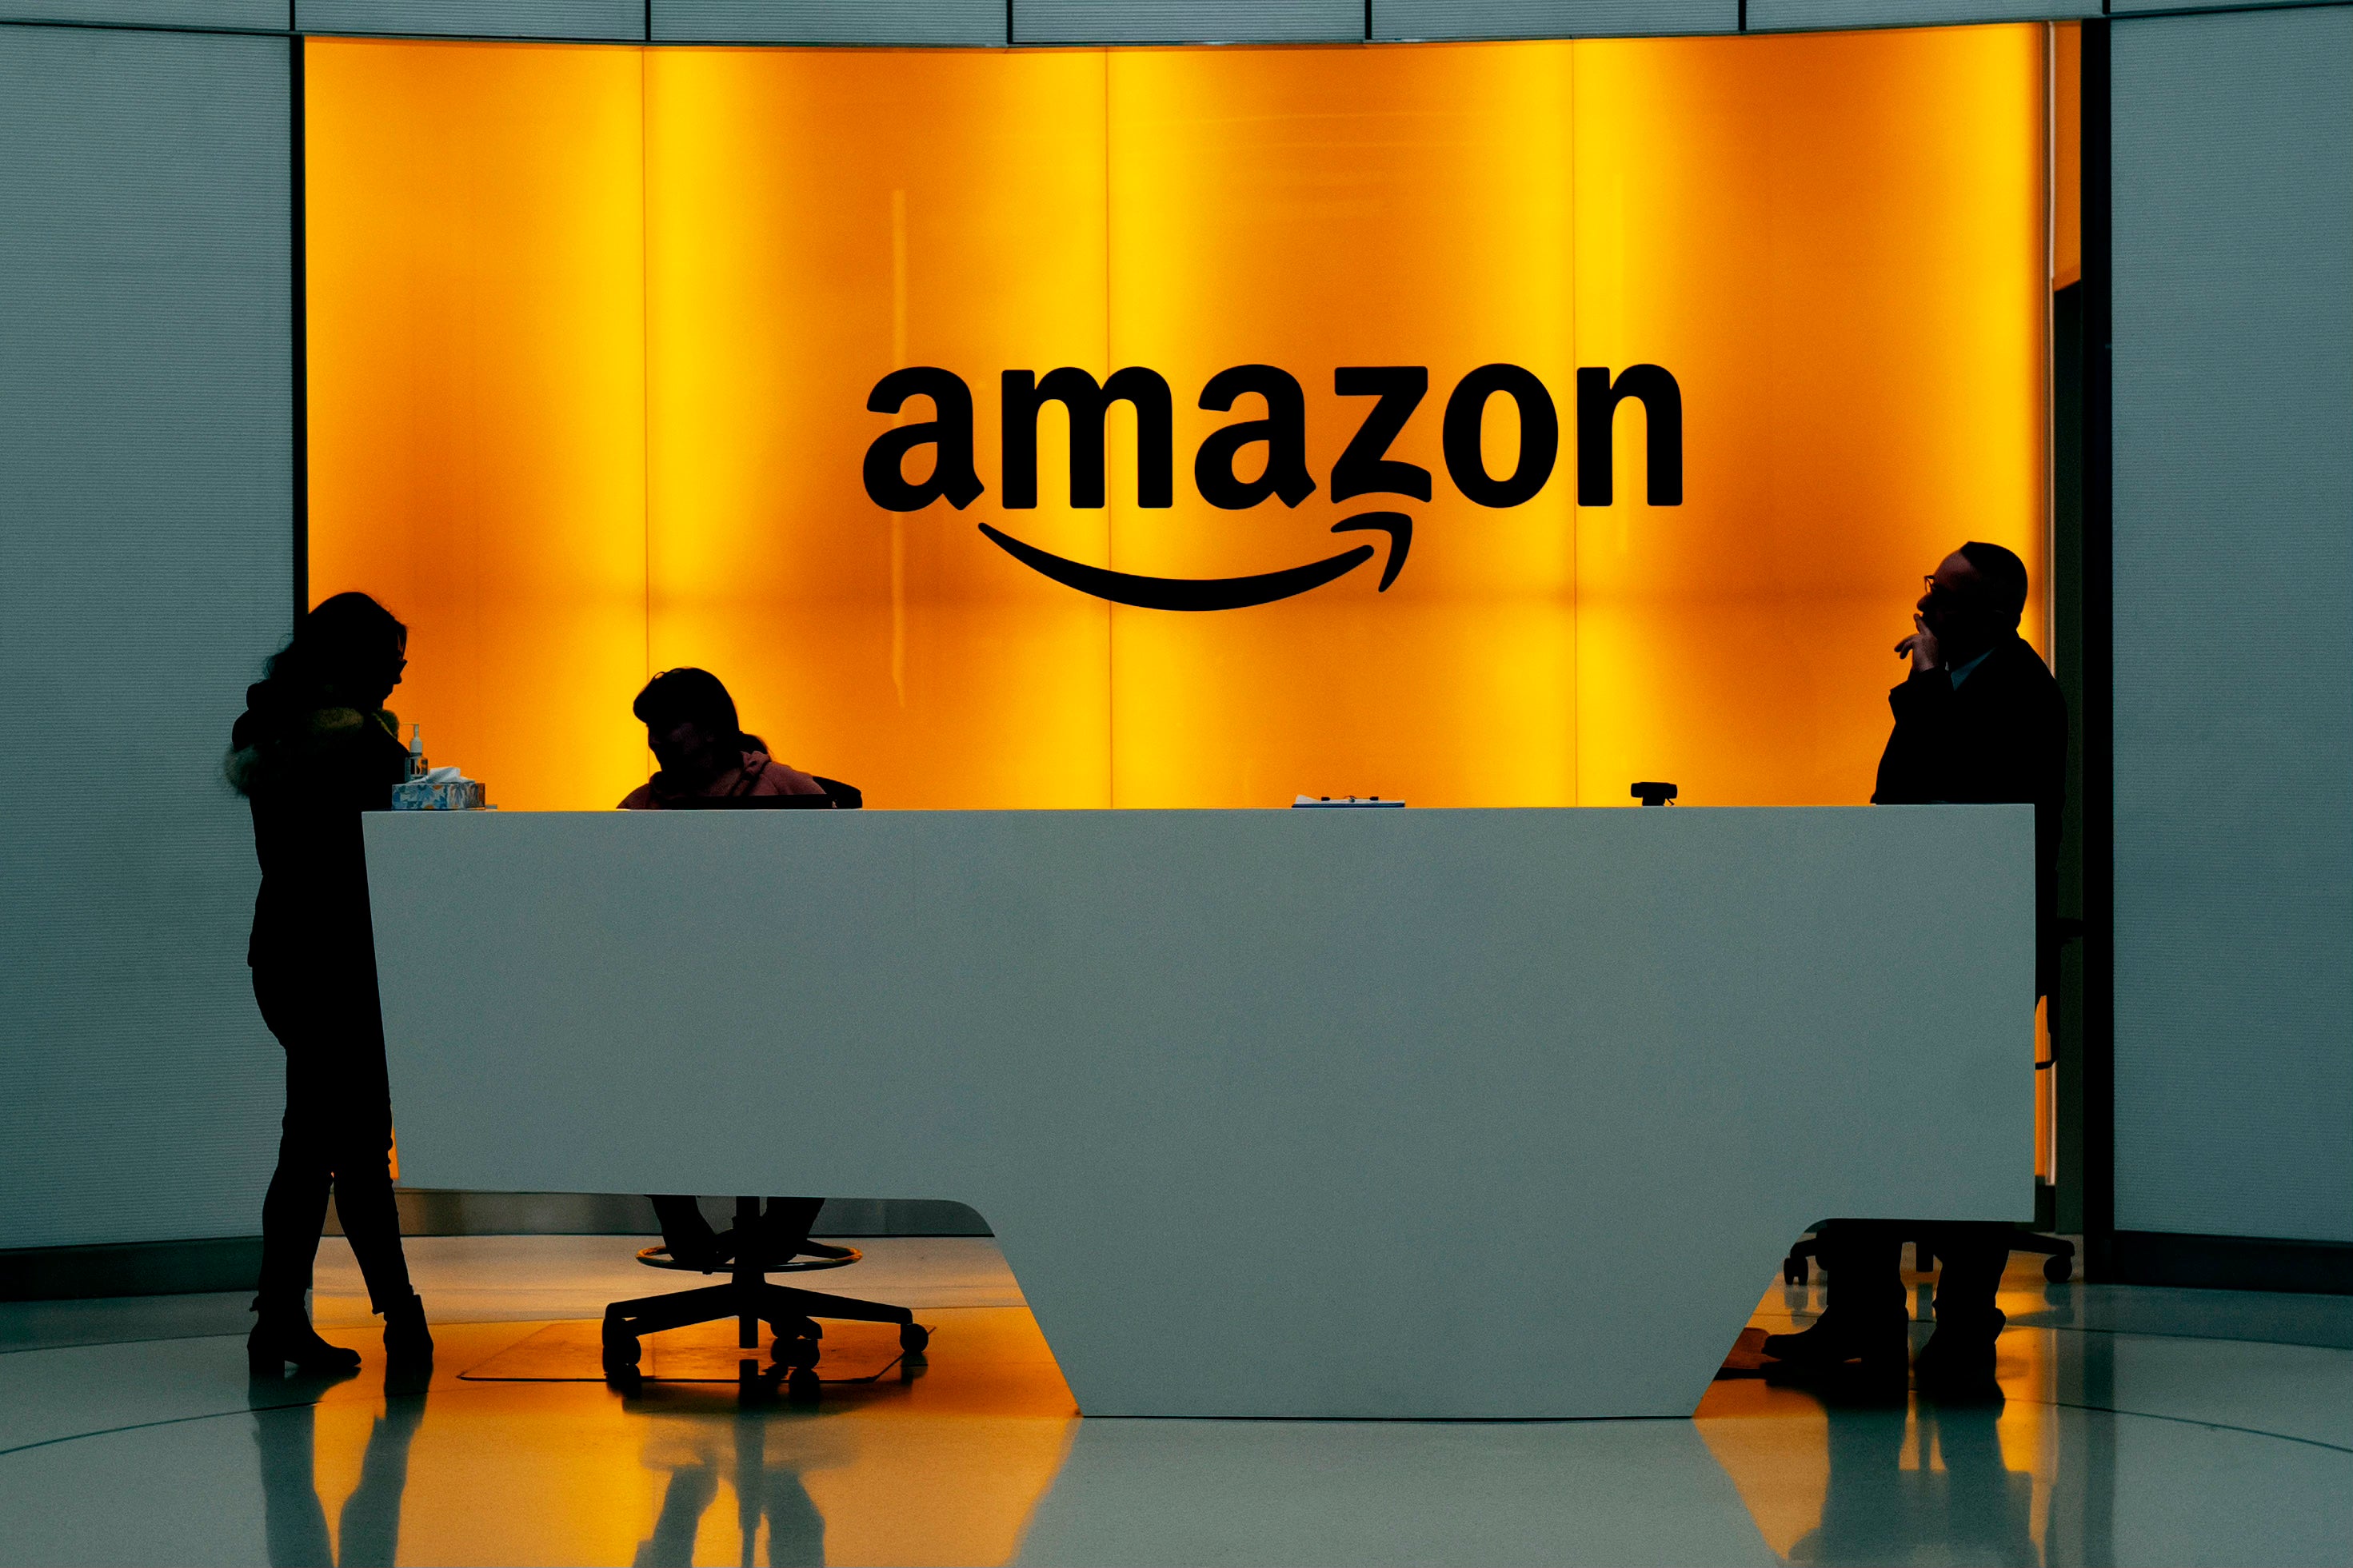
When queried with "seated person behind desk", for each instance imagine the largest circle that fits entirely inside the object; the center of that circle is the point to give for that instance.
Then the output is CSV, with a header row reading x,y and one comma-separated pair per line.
x,y
691,729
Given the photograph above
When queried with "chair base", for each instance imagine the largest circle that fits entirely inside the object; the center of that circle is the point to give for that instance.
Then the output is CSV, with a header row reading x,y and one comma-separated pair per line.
x,y
792,1313
751,1300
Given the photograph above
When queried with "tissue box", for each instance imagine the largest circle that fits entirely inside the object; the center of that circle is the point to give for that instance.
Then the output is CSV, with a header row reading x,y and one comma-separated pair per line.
x,y
430,794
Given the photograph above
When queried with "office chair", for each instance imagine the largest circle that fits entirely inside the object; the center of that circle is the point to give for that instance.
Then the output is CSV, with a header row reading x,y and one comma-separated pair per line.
x,y
750,1299
747,1297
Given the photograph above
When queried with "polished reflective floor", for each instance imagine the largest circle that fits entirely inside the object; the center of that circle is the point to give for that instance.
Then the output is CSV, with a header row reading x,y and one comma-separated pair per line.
x,y
2140,1426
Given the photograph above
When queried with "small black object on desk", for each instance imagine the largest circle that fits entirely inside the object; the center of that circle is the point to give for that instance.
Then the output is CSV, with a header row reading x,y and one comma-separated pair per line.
x,y
1652,792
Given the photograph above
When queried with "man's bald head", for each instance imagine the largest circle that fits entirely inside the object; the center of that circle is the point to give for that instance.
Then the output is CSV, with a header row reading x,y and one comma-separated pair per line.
x,y
1974,600
2003,578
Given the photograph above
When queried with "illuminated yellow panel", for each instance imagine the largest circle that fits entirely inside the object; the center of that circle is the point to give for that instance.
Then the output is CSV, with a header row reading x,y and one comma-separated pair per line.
x,y
817,219
1312,209
477,372
1836,243
593,333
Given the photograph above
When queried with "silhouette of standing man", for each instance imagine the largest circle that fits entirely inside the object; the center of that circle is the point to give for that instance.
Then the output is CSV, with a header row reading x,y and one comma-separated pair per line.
x,y
1978,720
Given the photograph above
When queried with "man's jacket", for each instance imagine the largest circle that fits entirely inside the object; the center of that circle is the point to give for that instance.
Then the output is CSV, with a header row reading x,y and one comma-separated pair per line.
x,y
1999,737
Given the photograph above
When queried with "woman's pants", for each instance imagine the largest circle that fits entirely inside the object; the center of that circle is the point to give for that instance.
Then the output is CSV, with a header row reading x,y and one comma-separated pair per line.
x,y
337,1133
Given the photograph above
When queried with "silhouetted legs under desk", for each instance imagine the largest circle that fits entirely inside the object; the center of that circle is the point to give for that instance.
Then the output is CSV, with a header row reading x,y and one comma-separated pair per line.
x,y
1969,1260
780,1230
1869,1321
1865,1260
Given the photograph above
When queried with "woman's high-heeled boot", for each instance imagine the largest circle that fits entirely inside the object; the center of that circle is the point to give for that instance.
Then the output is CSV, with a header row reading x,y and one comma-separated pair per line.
x,y
407,1344
283,1336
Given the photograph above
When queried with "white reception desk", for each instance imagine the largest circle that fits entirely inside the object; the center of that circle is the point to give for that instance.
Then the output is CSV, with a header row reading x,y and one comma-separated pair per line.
x,y
1311,1113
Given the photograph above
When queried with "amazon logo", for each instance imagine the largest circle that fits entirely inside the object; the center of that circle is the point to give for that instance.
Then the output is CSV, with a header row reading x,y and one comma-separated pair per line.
x,y
1365,468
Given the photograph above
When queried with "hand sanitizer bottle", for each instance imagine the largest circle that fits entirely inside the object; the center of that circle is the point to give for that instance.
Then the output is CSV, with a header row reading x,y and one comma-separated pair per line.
x,y
415,751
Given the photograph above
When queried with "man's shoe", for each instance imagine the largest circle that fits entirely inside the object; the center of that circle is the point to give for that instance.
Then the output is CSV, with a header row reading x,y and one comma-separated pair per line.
x,y
1881,1342
283,1337
1953,1384
1956,1365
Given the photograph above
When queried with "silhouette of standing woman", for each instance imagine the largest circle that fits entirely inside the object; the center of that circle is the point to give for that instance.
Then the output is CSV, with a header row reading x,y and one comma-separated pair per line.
x,y
314,748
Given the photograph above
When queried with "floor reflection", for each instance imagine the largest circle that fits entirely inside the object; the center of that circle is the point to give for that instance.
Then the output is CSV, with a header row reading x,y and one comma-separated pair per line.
x,y
945,1467
1834,1476
1900,1481
1179,1490
367,1526
769,1496
2137,1427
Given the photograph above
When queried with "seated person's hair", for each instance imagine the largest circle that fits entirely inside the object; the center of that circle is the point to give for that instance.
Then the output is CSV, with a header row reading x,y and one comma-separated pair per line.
x,y
690,695
2005,579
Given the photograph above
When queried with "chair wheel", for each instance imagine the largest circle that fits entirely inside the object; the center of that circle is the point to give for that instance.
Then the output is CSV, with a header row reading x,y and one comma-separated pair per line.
x,y
913,1337
802,1384
2059,1268
623,1373
622,1350
797,1354
1793,1270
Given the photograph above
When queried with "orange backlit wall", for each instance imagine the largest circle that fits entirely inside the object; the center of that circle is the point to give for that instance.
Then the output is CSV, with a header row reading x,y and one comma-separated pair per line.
x,y
592,332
